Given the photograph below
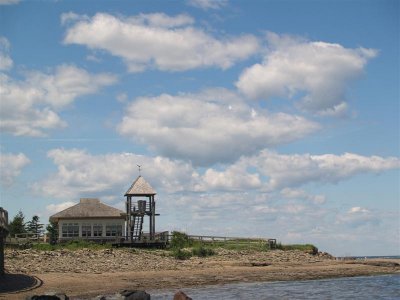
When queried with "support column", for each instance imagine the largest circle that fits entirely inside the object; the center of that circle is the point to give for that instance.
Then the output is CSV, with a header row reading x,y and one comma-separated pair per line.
x,y
153,216
150,219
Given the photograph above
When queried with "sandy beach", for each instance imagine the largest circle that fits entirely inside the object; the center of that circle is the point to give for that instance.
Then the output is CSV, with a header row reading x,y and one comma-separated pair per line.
x,y
85,273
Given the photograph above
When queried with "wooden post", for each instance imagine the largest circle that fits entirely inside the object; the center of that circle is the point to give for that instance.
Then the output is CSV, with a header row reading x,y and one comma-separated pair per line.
x,y
2,238
153,216
3,233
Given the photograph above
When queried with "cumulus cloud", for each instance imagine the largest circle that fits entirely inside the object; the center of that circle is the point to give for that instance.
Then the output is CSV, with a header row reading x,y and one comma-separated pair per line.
x,y
6,62
270,171
291,193
208,4
294,170
157,41
30,106
358,216
82,174
208,127
317,73
11,167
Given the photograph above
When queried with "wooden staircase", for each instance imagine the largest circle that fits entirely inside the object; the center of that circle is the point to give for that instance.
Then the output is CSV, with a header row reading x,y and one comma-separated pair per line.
x,y
137,227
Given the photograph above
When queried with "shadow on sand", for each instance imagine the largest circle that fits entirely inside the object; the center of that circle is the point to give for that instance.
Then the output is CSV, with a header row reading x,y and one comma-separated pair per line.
x,y
12,283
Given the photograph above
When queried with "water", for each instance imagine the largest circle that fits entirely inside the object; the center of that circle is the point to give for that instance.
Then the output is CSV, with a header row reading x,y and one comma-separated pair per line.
x,y
371,287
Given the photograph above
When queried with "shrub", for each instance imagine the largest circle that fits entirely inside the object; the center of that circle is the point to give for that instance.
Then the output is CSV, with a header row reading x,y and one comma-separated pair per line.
x,y
202,251
181,254
180,240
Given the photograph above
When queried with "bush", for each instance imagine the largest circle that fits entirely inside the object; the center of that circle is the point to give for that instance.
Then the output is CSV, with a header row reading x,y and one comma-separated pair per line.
x,y
180,240
181,254
202,251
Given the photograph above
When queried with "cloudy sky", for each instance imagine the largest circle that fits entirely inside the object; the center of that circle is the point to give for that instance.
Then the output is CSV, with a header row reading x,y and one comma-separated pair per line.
x,y
250,118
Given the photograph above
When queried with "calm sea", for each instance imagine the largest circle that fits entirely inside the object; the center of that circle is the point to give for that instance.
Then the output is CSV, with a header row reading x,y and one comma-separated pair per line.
x,y
370,287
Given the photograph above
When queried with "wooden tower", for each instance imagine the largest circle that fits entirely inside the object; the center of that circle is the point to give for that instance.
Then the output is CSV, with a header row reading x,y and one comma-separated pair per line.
x,y
136,211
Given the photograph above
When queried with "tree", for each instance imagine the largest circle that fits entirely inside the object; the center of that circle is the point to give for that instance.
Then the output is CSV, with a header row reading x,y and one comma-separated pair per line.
x,y
52,230
34,226
17,225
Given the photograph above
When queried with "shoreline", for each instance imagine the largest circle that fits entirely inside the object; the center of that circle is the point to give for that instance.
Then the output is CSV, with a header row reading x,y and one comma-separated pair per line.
x,y
150,270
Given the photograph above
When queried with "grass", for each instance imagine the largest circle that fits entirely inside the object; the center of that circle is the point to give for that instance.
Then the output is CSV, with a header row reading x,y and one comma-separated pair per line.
x,y
302,247
181,241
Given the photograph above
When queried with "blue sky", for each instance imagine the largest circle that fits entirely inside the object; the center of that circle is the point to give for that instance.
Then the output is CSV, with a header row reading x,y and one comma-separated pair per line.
x,y
250,118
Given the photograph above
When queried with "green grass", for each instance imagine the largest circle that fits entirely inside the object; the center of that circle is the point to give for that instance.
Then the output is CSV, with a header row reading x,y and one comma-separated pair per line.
x,y
303,247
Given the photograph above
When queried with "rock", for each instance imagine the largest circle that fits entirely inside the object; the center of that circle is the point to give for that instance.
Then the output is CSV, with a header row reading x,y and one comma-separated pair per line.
x,y
57,296
181,296
135,295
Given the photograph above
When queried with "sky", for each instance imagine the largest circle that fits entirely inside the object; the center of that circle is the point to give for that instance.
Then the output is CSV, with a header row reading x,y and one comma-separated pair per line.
x,y
274,119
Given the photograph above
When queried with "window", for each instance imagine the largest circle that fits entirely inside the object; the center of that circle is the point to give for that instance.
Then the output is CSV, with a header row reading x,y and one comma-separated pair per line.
x,y
86,230
98,230
70,230
114,230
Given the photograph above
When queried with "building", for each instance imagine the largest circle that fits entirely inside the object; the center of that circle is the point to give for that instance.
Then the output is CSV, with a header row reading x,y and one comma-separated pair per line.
x,y
90,220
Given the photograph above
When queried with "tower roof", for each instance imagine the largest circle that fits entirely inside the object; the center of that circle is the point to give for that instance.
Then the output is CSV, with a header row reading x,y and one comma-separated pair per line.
x,y
140,187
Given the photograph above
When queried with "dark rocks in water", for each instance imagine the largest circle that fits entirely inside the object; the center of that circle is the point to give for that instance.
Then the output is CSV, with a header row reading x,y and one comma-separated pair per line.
x,y
48,297
181,296
126,295
135,295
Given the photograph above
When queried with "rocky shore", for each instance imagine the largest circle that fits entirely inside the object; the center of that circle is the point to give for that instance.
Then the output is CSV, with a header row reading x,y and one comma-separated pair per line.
x,y
86,273
119,260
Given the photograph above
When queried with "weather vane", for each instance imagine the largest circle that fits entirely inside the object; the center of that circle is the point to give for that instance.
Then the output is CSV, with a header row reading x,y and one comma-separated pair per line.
x,y
139,168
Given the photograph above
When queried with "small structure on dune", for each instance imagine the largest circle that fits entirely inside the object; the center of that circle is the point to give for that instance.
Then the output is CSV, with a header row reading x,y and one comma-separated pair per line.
x,y
137,210
90,220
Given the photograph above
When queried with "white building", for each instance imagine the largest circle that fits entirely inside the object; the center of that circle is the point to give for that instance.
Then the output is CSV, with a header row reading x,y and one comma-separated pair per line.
x,y
90,220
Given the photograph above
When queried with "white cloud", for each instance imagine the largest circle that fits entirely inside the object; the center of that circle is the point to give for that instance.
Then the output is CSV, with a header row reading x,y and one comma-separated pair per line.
x,y
208,4
9,2
157,41
358,216
294,170
291,193
29,107
11,166
55,208
81,174
293,67
6,62
208,127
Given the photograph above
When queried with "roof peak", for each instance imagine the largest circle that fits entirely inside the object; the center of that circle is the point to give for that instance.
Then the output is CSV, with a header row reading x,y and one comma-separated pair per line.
x,y
140,187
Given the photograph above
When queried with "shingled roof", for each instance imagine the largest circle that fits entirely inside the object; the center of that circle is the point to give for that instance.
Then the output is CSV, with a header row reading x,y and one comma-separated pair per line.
x,y
88,208
140,187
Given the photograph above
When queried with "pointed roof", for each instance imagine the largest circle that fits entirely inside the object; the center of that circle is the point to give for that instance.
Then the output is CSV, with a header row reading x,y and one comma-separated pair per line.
x,y
140,187
88,208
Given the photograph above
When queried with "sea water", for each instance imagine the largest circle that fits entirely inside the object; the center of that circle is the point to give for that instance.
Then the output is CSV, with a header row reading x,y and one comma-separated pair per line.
x,y
366,287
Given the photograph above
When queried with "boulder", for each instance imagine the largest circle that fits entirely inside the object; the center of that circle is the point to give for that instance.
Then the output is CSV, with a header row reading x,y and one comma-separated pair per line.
x,y
135,295
181,296
50,296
